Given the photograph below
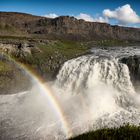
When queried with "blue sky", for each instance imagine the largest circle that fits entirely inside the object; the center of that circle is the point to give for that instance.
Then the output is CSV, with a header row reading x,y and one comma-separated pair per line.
x,y
92,8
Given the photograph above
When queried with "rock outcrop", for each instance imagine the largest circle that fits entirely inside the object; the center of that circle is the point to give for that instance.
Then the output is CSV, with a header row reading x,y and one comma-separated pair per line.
x,y
63,27
133,63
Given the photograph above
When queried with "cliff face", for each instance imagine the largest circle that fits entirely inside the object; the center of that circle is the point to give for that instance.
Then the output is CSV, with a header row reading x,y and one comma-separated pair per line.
x,y
64,27
69,27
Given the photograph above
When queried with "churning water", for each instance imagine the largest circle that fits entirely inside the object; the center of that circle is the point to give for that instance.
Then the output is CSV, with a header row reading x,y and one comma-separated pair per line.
x,y
93,92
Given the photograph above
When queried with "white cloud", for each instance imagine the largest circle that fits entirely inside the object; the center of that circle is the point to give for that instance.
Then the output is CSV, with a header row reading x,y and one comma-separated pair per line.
x,y
83,16
87,17
51,15
124,15
101,19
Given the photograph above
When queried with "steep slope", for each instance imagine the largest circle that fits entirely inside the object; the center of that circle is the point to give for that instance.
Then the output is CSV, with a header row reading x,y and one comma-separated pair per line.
x,y
64,27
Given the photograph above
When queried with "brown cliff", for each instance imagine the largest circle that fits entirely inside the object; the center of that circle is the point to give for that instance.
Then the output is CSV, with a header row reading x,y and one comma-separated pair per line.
x,y
64,27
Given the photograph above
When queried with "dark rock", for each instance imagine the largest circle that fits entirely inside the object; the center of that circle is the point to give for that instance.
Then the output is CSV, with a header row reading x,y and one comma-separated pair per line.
x,y
63,27
133,63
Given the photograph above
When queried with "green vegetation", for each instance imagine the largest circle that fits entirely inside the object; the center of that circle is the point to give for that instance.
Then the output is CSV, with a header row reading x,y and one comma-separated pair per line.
x,y
67,49
110,43
46,59
16,38
126,132
4,67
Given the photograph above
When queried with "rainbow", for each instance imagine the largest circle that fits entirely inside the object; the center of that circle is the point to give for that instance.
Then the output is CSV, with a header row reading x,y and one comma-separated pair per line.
x,y
47,93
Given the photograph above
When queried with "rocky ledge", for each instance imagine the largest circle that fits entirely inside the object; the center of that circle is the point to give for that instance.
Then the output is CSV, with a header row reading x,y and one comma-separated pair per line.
x,y
44,57
64,27
133,63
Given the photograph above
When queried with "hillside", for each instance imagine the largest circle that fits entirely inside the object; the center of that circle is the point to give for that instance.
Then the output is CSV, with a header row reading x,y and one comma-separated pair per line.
x,y
64,27
126,132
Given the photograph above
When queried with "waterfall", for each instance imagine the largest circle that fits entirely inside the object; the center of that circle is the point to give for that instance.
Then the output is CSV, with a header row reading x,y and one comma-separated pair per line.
x,y
79,75
93,92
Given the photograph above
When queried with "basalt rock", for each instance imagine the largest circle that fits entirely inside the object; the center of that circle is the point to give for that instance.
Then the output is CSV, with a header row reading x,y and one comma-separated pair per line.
x,y
133,63
64,27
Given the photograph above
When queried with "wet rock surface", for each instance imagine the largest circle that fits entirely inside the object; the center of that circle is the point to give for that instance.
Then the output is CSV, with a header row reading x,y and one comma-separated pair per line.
x,y
127,55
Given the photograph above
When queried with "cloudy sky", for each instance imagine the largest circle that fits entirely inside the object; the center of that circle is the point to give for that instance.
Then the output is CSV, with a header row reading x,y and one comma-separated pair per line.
x,y
120,12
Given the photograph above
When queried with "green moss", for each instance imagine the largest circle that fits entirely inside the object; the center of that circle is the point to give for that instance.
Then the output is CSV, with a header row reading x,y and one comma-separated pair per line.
x,y
4,67
67,49
127,132
47,59
110,43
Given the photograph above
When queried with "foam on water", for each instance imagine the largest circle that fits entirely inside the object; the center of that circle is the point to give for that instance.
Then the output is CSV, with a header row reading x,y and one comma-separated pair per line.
x,y
94,92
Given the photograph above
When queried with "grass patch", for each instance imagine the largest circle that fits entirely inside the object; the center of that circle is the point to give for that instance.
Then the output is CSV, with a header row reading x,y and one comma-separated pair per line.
x,y
126,132
46,59
110,43
4,67
67,49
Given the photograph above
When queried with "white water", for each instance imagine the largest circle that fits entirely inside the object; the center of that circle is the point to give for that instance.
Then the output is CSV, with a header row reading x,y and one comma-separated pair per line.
x,y
94,92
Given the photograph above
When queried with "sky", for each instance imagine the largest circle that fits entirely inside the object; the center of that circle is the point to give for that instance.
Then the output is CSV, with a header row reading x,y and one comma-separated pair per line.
x,y
118,12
